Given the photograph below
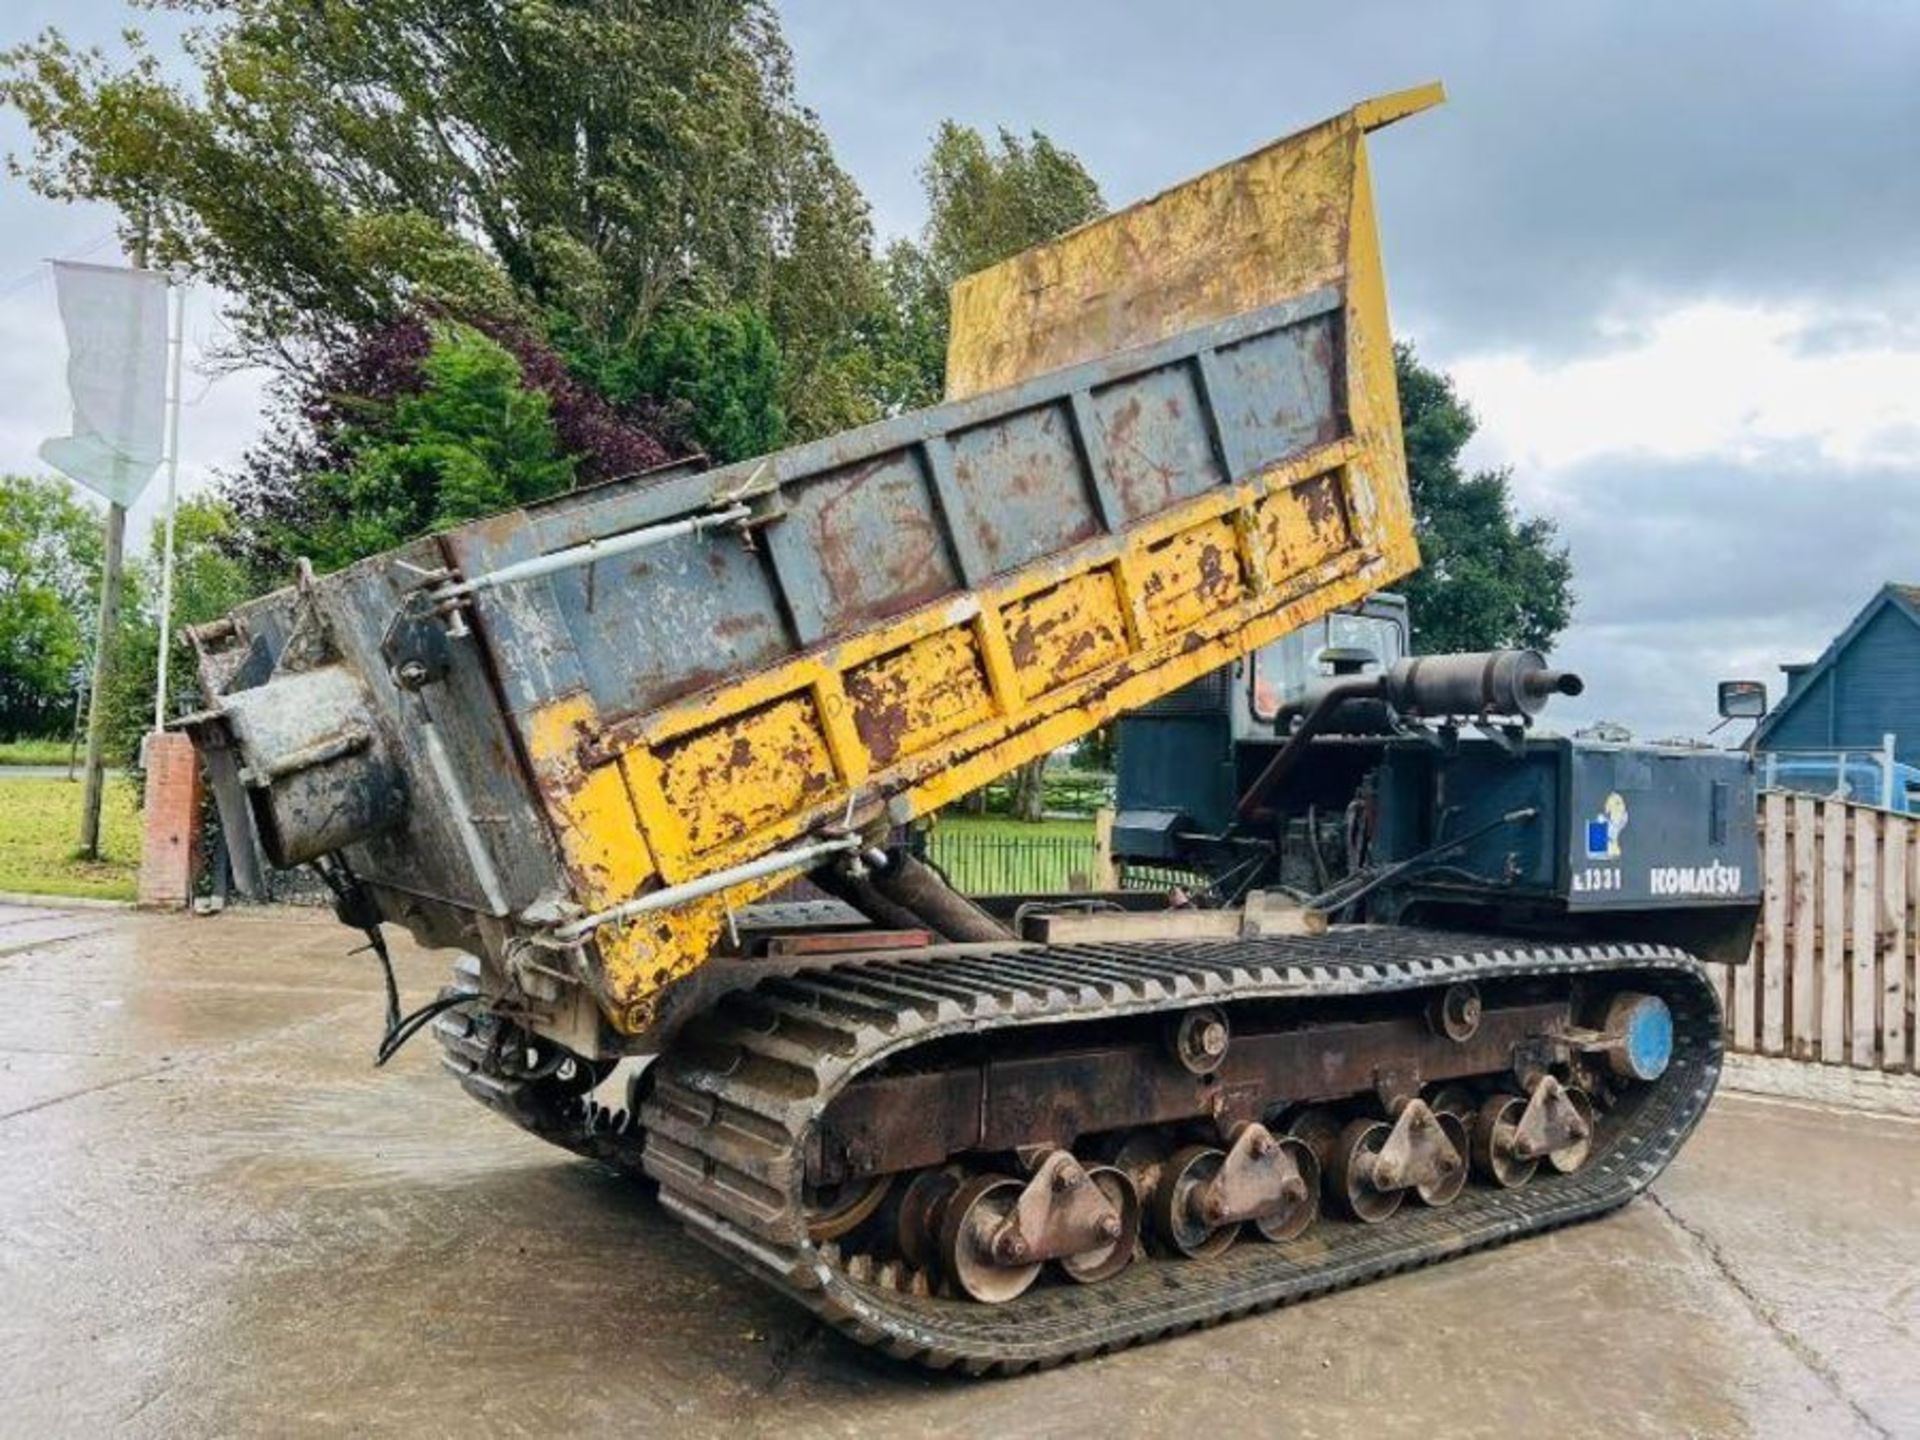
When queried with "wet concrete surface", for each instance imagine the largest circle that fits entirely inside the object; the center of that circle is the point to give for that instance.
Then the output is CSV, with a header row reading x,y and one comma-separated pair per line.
x,y
217,1219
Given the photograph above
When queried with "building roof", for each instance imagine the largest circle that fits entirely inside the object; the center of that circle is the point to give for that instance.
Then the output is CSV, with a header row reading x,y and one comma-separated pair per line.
x,y
1904,598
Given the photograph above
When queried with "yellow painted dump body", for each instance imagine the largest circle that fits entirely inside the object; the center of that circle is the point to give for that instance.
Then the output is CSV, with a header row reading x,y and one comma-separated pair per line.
x,y
950,698
1173,438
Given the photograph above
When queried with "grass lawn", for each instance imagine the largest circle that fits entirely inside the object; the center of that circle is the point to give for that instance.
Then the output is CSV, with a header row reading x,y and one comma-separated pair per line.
x,y
34,752
39,830
992,855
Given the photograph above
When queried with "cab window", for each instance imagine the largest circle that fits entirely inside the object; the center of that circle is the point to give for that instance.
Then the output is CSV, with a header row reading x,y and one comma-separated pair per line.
x,y
1283,668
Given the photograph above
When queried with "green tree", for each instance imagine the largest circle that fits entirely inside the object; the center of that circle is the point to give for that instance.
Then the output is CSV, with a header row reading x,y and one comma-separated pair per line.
x,y
984,203
473,440
50,554
722,366
207,583
1489,577
341,162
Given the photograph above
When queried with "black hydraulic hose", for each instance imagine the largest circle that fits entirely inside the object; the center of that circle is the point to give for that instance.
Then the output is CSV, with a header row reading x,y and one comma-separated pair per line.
x,y
1356,888
1353,687
354,904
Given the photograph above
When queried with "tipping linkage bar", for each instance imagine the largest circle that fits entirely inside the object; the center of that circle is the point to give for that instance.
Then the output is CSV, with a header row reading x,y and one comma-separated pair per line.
x,y
798,857
587,552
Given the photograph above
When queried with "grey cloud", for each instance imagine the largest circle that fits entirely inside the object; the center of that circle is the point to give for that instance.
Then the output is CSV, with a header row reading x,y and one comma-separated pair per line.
x,y
1688,572
1659,682
1590,149
1783,535
1895,330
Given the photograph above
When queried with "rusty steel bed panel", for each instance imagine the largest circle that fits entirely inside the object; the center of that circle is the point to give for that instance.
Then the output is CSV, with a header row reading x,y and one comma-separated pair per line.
x,y
916,607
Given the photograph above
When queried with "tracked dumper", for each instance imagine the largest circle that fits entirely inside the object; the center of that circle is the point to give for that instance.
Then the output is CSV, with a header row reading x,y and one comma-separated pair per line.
x,y
583,744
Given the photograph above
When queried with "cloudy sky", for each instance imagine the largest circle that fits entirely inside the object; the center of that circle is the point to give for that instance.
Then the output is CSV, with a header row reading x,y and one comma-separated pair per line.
x,y
1670,252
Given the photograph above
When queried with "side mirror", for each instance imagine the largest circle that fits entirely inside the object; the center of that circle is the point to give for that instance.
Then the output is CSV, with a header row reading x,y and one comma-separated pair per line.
x,y
1743,700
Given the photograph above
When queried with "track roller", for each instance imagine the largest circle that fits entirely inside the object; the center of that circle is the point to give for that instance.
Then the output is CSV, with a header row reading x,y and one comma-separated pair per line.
x,y
1178,1220
1270,1182
973,1256
1494,1156
1512,1134
922,1205
1571,1156
1355,1157
1376,1164
995,1232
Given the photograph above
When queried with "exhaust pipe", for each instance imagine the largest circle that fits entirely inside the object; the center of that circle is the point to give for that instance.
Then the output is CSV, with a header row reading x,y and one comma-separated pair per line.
x,y
1490,683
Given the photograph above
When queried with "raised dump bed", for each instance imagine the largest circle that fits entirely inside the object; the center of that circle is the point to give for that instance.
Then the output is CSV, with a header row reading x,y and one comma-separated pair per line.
x,y
1178,440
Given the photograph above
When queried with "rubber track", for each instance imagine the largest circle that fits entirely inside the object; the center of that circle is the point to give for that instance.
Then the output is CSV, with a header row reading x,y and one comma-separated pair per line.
x,y
736,1096
469,1051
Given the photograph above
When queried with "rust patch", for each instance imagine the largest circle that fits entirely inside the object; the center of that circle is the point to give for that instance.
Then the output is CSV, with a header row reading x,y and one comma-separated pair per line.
x,y
1305,525
1192,576
1062,633
1156,449
1023,488
739,624
912,698
879,547
747,772
590,806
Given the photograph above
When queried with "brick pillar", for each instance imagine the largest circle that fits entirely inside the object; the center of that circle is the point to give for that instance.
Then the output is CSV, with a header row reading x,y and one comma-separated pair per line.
x,y
170,837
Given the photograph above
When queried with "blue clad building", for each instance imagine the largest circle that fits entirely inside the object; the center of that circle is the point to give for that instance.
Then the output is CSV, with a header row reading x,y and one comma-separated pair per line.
x,y
1864,688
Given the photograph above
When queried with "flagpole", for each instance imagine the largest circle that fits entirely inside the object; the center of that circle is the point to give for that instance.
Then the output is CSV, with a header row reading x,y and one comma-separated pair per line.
x,y
173,479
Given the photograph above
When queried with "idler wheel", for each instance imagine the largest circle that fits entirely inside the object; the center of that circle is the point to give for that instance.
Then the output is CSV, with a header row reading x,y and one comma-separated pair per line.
x,y
1446,1190
1493,1131
1353,1160
1198,1039
975,1213
1103,1262
1455,1012
834,1211
1569,1158
1176,1217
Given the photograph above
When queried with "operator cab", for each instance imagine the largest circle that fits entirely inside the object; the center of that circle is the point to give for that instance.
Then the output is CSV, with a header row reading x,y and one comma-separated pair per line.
x,y
1367,638
1185,759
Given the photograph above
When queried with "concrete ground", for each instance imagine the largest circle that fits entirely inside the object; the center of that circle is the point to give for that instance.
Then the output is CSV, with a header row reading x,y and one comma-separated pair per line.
x,y
217,1219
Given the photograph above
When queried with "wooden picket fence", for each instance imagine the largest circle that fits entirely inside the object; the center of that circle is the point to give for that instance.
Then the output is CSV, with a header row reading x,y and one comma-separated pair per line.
x,y
1832,975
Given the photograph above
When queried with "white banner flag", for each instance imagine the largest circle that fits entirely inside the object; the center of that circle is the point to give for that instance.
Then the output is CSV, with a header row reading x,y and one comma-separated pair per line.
x,y
116,321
